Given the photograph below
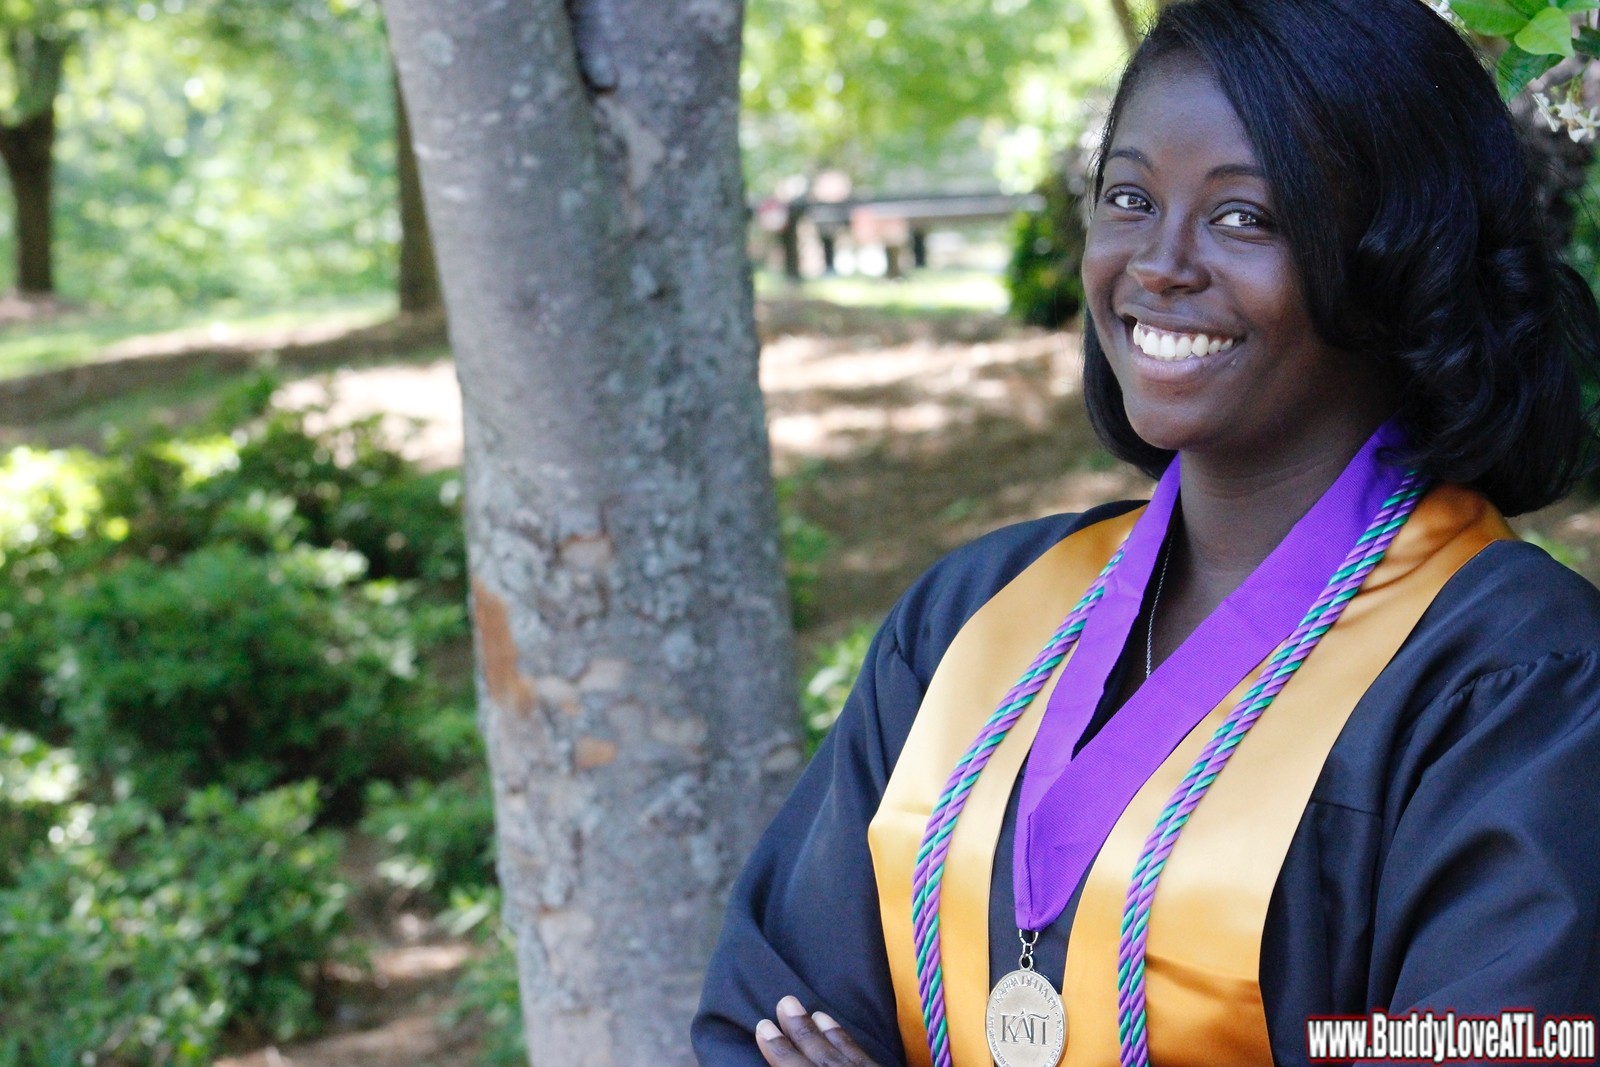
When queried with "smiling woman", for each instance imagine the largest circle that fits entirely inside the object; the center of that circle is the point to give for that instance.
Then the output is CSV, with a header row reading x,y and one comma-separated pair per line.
x,y
1311,733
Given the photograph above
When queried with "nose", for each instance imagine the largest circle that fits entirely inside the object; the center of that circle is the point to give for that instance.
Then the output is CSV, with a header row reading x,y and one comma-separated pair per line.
x,y
1168,260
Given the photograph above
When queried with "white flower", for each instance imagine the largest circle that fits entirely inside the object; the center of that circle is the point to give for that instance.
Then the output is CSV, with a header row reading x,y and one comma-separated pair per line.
x,y
1583,125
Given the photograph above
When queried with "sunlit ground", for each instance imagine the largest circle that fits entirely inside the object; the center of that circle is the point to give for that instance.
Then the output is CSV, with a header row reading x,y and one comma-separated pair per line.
x,y
932,290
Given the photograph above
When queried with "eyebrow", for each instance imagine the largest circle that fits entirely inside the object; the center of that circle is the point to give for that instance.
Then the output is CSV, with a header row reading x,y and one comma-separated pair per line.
x,y
1226,170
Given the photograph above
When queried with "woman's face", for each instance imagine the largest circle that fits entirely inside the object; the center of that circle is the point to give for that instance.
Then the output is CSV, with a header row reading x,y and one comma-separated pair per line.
x,y
1194,293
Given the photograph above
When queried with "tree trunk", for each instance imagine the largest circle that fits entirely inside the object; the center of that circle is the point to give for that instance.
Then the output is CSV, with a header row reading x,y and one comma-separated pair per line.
x,y
28,149
581,168
419,271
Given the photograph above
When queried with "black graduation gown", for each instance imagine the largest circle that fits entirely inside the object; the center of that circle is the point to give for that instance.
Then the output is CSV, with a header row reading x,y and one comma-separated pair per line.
x,y
1449,857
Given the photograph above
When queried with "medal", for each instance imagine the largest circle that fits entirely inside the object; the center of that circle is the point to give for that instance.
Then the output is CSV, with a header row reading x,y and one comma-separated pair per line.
x,y
1026,1023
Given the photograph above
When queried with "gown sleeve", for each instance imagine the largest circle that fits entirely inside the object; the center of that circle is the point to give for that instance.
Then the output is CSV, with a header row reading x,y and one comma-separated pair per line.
x,y
803,916
1486,899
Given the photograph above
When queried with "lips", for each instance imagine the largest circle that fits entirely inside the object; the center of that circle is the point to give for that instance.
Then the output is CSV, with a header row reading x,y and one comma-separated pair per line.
x,y
1172,346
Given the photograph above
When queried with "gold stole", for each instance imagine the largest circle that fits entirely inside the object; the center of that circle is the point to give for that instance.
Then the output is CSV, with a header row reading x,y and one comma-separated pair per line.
x,y
1204,944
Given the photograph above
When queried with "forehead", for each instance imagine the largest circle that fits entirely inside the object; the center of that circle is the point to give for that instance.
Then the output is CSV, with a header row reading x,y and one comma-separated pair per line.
x,y
1179,112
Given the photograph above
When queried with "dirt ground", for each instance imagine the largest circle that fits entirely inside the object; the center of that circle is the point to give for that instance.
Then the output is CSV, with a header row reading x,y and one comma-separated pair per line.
x,y
903,445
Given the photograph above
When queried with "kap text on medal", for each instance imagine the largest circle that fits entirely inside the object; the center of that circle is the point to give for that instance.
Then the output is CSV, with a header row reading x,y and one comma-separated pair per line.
x,y
1026,1024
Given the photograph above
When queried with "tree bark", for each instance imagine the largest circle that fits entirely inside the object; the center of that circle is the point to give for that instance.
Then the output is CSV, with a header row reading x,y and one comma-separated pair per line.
x,y
28,150
581,169
419,270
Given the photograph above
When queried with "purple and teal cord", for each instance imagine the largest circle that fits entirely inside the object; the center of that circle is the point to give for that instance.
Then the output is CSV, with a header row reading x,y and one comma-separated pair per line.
x,y
927,877
1369,550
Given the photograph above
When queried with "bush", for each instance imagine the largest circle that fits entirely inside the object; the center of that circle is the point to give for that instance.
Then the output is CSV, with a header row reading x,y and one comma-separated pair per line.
x,y
439,836
805,545
242,670
265,479
1046,256
487,996
137,940
833,673
37,783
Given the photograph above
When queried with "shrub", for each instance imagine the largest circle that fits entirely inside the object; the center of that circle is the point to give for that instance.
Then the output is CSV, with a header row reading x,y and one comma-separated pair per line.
x,y
1046,256
805,545
37,783
833,673
352,491
439,836
487,997
137,940
263,478
242,670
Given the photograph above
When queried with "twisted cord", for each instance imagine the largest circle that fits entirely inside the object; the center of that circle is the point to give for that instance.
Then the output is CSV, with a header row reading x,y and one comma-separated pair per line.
x,y
1342,587
928,875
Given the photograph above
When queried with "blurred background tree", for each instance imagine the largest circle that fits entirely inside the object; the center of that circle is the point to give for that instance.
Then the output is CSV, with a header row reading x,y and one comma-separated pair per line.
x,y
38,37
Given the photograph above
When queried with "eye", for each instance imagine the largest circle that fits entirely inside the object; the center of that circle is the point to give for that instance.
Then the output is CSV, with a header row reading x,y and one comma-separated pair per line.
x,y
1240,218
1127,200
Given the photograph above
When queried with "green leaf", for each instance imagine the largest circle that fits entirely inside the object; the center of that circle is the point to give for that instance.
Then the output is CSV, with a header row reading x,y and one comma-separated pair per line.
x,y
1517,68
1529,8
1547,33
1493,18
1578,7
1588,42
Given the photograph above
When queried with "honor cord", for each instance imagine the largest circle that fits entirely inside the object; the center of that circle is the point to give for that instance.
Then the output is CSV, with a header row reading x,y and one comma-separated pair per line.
x,y
928,875
1369,550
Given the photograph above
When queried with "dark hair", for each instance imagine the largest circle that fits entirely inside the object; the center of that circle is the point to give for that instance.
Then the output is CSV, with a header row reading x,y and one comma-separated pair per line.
x,y
1405,196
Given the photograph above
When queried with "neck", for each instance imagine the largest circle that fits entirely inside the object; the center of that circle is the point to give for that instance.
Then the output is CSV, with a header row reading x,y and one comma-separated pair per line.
x,y
1235,513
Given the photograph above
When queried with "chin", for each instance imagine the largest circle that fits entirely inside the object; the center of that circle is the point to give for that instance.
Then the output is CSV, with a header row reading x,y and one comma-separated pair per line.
x,y
1159,426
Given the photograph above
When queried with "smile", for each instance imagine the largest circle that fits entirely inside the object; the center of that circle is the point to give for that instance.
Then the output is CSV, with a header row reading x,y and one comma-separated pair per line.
x,y
1162,344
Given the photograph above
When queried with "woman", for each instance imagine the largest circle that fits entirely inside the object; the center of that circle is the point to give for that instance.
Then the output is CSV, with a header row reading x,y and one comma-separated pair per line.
x,y
1226,796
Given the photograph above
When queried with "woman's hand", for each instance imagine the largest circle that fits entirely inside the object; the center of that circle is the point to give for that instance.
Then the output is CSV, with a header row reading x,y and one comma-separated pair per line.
x,y
807,1040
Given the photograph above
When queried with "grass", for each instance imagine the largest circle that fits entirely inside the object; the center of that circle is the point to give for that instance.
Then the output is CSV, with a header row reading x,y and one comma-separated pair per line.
x,y
26,348
186,400
923,290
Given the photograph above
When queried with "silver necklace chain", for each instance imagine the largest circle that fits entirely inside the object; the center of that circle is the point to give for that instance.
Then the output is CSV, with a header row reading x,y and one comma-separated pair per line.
x,y
1155,602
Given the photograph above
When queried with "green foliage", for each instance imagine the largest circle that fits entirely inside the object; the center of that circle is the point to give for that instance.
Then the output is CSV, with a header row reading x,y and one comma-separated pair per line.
x,y
37,783
1044,272
874,86
833,673
243,670
196,161
487,992
49,501
805,546
1538,35
136,940
439,835
200,607
266,479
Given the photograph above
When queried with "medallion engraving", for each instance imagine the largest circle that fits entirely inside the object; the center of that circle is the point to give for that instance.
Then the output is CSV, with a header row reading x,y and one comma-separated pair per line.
x,y
1026,1023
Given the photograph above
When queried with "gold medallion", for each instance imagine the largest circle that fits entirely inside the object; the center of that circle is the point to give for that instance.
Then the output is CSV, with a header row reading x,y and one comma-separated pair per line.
x,y
1026,1023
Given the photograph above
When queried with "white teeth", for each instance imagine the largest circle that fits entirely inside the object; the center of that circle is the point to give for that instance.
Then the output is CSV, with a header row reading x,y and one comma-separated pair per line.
x,y
1159,344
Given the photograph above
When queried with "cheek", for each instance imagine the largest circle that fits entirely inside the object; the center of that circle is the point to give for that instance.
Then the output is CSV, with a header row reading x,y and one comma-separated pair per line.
x,y
1270,297
1103,263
